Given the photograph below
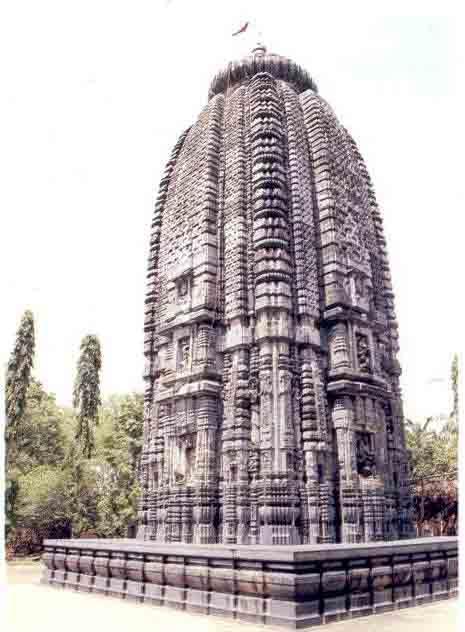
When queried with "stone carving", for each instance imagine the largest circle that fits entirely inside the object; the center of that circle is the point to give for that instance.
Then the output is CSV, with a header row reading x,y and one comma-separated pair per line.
x,y
253,391
339,353
296,389
359,288
254,463
267,385
363,353
183,289
284,383
183,460
184,354
267,282
366,459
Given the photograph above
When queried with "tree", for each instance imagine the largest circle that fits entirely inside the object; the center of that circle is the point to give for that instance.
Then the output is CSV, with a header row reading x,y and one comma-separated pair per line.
x,y
446,452
18,377
420,442
83,490
44,501
86,394
119,445
129,423
40,438
433,457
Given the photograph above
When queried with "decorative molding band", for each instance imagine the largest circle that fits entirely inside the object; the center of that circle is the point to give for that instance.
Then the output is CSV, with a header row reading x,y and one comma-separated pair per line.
x,y
292,586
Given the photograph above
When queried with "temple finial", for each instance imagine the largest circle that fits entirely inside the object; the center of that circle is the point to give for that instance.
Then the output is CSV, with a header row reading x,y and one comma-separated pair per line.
x,y
259,49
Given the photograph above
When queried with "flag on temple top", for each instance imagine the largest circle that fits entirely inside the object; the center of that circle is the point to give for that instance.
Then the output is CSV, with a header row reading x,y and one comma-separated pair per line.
x,y
241,30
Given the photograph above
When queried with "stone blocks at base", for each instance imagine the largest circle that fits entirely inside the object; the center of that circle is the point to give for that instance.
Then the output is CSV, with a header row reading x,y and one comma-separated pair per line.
x,y
291,586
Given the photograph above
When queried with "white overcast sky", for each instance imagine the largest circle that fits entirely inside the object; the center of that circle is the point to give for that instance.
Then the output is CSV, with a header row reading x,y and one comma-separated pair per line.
x,y
95,94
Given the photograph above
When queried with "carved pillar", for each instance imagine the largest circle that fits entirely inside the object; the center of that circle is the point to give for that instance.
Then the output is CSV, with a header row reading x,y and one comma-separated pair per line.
x,y
186,516
312,498
342,417
204,496
338,347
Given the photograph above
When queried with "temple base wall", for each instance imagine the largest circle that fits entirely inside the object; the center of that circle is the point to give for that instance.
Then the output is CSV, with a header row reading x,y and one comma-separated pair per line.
x,y
292,586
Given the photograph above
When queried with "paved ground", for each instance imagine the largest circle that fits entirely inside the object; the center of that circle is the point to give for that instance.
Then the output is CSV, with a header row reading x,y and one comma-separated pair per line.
x,y
32,607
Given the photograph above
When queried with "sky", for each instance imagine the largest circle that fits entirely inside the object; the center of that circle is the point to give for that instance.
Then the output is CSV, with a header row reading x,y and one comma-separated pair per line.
x,y
96,93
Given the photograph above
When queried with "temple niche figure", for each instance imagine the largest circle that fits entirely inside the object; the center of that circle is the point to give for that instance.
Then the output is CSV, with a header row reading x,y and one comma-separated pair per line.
x,y
366,459
183,461
363,353
184,354
267,212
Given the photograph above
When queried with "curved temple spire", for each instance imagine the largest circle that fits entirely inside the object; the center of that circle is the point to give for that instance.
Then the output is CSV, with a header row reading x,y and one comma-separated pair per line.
x,y
273,407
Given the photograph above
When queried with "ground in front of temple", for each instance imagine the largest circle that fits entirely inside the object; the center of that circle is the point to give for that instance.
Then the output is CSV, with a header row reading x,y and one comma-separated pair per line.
x,y
31,606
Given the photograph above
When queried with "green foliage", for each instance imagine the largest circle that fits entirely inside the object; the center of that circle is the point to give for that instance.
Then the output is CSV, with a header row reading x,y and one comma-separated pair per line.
x,y
40,438
44,500
421,444
117,506
83,492
11,497
434,462
127,413
18,375
56,491
119,447
68,471
62,499
86,394
433,453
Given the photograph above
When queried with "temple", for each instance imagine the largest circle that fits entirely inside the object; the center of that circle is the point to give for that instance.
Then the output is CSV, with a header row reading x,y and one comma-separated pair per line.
x,y
273,406
274,474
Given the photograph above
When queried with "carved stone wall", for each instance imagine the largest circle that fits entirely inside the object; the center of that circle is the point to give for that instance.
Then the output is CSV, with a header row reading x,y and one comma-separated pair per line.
x,y
273,410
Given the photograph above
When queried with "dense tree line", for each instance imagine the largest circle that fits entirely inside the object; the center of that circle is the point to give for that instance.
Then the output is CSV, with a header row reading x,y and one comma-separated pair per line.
x,y
69,471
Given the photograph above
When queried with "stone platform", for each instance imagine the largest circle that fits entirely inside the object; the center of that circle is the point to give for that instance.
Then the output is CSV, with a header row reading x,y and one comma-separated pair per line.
x,y
293,586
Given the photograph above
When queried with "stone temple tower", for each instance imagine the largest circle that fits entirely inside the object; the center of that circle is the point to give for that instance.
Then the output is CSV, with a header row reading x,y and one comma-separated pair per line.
x,y
273,408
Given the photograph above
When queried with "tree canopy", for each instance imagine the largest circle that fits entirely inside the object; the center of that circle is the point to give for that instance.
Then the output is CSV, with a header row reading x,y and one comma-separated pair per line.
x,y
18,376
86,394
59,492
69,471
433,449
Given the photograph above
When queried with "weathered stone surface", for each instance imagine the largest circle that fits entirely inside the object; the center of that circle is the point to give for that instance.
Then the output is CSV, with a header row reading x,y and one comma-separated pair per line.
x,y
293,586
273,407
